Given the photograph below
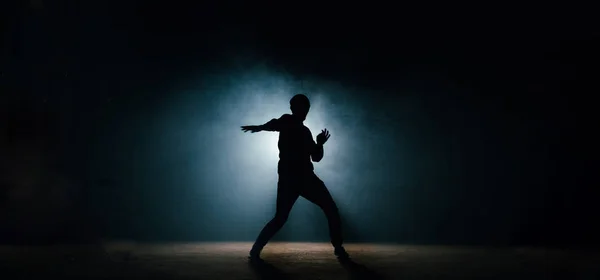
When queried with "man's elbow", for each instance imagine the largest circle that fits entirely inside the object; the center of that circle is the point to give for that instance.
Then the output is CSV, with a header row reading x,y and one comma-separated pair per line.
x,y
316,159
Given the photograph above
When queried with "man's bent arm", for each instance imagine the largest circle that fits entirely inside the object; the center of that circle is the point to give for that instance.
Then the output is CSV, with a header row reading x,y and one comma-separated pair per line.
x,y
317,153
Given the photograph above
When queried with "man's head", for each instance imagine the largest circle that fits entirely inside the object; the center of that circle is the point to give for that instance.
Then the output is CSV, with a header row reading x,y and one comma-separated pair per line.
x,y
299,104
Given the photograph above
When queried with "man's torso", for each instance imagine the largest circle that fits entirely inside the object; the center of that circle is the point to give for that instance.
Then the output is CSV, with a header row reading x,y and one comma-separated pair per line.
x,y
295,147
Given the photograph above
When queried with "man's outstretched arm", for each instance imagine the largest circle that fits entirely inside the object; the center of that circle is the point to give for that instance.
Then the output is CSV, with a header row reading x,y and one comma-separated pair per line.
x,y
272,125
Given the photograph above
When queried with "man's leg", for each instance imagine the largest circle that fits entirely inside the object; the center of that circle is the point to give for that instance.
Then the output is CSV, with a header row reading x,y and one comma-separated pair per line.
x,y
316,192
287,195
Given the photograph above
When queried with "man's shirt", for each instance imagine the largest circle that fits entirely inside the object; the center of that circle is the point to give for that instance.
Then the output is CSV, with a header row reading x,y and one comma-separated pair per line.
x,y
296,144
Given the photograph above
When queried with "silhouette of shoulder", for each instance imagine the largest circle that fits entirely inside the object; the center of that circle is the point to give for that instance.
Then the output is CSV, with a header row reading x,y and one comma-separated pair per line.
x,y
285,117
284,121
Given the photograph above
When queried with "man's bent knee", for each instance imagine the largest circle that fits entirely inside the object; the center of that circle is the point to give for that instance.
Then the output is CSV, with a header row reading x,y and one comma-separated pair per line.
x,y
331,210
279,220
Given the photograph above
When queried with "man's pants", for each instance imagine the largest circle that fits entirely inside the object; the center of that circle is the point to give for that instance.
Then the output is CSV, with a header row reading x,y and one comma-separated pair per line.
x,y
289,188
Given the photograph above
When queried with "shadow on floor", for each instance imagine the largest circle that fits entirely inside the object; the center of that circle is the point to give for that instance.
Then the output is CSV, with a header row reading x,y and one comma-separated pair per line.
x,y
264,270
358,271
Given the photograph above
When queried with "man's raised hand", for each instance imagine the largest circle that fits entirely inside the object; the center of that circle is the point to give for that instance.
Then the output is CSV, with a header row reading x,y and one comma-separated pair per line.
x,y
251,128
323,137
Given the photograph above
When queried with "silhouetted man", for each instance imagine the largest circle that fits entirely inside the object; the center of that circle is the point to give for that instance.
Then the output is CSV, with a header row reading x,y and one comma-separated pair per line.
x,y
296,176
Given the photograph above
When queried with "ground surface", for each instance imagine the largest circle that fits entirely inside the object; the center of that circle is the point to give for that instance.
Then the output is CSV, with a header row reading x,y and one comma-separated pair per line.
x,y
293,261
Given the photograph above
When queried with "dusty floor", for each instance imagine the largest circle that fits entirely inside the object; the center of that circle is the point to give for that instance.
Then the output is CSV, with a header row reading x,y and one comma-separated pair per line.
x,y
294,261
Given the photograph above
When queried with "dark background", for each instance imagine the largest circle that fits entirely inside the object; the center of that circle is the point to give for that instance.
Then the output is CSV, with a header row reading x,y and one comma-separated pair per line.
x,y
500,137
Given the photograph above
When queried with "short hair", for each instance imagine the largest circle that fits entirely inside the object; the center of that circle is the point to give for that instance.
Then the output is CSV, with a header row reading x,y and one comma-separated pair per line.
x,y
300,100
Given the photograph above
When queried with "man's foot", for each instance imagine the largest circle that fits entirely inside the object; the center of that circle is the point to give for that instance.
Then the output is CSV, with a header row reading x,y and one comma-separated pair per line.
x,y
254,257
341,254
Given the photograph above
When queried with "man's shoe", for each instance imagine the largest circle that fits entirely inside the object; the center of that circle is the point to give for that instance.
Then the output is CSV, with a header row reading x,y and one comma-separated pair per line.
x,y
341,254
254,257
